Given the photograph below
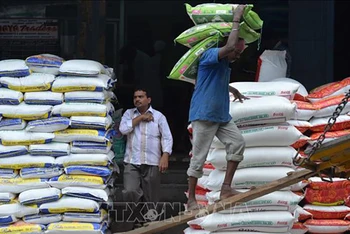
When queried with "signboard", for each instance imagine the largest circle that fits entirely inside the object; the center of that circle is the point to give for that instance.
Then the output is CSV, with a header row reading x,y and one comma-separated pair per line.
x,y
20,38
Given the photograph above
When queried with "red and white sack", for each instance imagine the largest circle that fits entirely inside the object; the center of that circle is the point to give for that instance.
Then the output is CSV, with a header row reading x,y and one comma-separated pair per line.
x,y
318,124
267,221
305,110
301,94
329,136
327,212
271,64
298,228
317,183
275,201
264,110
266,135
301,125
327,225
255,157
202,182
329,90
245,178
262,89
327,106
208,168
200,194
301,215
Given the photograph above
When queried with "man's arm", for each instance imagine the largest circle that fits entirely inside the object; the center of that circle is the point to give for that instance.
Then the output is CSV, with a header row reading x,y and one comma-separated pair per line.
x,y
233,37
127,124
166,143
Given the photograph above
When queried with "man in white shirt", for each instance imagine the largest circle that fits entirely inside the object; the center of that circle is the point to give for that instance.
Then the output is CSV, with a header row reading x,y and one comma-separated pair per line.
x,y
149,144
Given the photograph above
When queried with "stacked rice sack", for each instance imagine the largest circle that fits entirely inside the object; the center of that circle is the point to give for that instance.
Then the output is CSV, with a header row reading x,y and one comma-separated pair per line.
x,y
213,22
55,152
268,156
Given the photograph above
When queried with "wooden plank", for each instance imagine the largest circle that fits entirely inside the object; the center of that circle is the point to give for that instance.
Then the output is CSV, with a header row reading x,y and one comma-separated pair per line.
x,y
290,179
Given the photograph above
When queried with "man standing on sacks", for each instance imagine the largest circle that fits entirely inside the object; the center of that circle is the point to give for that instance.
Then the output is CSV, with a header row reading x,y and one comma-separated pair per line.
x,y
209,111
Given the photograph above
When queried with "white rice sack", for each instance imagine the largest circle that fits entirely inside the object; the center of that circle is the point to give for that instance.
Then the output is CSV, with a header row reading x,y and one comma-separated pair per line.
x,y
271,64
42,218
17,210
8,173
85,159
266,135
301,94
69,204
255,157
195,231
38,196
70,135
13,68
264,110
64,181
301,125
261,89
44,63
81,109
305,110
81,67
89,147
18,184
54,149
39,172
19,162
8,151
86,96
48,125
326,226
7,197
43,98
76,228
72,83
93,194
9,138
88,170
275,201
10,97
266,221
85,217
25,111
245,178
91,122
32,83
12,124
318,124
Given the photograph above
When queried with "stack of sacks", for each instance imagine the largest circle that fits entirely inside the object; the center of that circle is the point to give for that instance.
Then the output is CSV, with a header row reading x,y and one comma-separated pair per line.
x,y
43,181
213,22
304,111
268,157
325,99
328,206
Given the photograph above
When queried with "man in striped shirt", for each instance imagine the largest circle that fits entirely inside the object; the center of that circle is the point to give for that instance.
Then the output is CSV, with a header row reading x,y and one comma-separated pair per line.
x,y
149,144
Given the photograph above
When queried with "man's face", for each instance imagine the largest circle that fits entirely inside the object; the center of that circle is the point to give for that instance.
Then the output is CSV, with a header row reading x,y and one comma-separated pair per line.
x,y
234,55
141,100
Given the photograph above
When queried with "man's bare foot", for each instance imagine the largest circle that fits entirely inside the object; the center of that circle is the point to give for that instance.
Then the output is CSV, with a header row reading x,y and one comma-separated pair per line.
x,y
227,191
193,205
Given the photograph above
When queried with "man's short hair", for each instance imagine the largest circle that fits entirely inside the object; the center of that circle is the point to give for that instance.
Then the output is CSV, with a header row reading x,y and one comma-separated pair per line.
x,y
148,93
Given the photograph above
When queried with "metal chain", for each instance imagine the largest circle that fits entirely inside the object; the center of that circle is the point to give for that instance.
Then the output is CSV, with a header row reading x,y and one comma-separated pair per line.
x,y
317,144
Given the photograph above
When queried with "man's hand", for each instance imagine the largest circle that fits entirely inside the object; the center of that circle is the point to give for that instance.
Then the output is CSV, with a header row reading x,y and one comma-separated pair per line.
x,y
147,117
164,162
237,94
238,12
